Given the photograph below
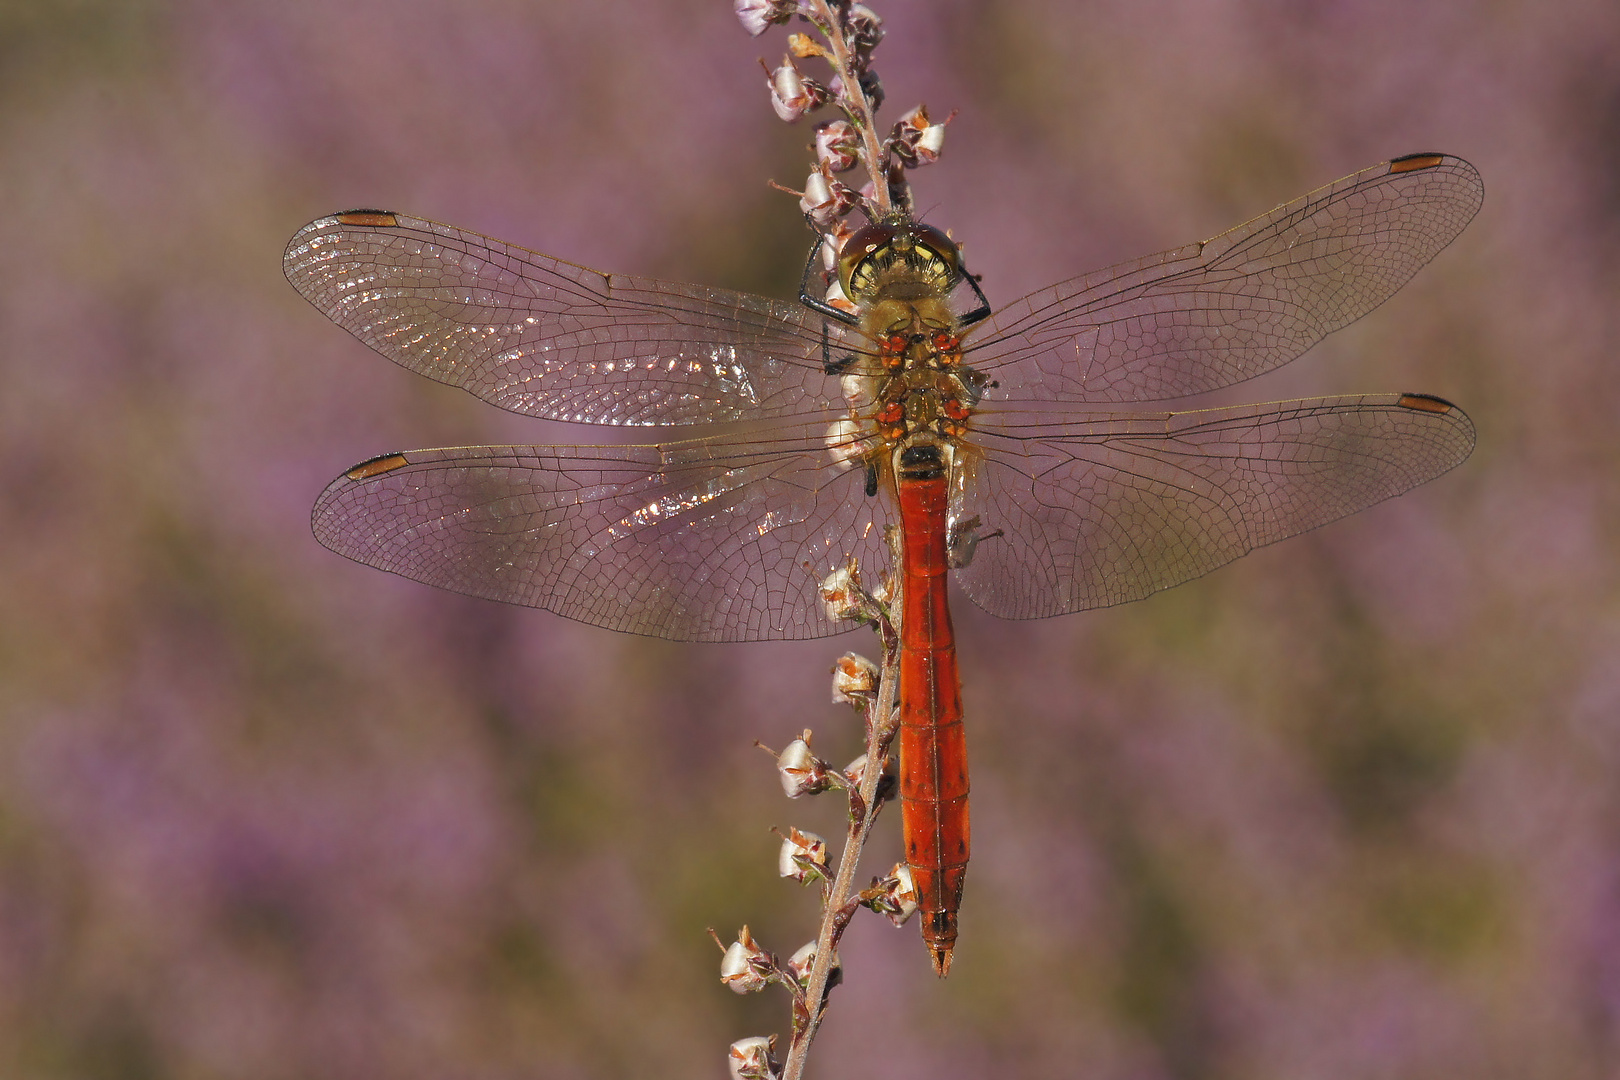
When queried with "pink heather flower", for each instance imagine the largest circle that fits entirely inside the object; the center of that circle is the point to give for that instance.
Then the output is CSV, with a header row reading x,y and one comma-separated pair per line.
x,y
869,85
803,856
792,95
898,900
800,963
832,243
745,968
854,678
801,772
930,143
835,296
835,145
858,392
855,771
872,87
751,1058
845,443
825,200
844,598
817,192
865,29
839,591
757,16
915,141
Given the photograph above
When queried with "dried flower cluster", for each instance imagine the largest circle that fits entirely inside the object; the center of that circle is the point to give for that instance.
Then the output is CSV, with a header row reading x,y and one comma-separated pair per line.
x,y
850,32
746,966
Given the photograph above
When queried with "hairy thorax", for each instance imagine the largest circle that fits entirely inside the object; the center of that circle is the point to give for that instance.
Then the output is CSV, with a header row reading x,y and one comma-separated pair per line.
x,y
909,389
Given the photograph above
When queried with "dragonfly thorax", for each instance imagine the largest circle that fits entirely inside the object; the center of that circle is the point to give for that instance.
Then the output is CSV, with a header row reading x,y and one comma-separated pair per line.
x,y
909,393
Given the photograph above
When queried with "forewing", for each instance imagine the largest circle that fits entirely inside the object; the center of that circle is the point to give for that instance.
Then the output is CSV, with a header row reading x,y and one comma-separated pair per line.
x,y
1115,507
695,541
547,338
1211,314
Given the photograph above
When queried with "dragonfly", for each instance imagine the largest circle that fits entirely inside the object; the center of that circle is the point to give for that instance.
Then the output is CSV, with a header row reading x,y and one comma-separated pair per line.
x,y
783,440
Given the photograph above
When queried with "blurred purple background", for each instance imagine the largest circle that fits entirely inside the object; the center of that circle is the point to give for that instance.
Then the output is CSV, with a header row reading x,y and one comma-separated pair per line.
x,y
1347,808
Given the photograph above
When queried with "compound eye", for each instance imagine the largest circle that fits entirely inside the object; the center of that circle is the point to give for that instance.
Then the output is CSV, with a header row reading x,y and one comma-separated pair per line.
x,y
857,249
926,236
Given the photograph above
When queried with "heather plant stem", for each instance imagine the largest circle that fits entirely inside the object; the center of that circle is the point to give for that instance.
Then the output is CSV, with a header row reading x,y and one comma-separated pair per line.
x,y
855,105
837,906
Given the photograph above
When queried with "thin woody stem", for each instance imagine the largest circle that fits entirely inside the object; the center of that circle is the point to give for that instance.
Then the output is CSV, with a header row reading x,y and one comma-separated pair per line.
x,y
837,905
855,105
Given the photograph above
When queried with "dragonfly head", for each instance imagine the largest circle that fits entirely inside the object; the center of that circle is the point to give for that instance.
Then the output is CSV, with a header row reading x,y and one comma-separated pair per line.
x,y
900,258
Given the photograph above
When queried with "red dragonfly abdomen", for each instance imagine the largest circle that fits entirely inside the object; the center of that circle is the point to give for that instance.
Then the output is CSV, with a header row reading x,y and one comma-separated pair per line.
x,y
933,752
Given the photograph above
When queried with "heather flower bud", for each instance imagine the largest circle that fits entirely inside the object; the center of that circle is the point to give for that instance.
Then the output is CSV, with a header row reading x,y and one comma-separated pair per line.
x,y
846,445
896,895
855,678
840,592
863,28
825,200
803,856
757,16
930,143
843,596
836,145
858,391
745,968
855,773
817,191
915,141
801,772
832,243
836,298
800,963
872,87
752,1058
879,593
792,95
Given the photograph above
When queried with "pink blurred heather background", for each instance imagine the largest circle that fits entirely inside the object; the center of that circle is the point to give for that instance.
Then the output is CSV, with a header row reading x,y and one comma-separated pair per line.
x,y
1349,808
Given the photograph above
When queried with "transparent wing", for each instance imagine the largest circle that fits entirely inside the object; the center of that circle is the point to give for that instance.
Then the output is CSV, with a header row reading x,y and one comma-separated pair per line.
x,y
547,338
1215,313
706,540
1114,507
